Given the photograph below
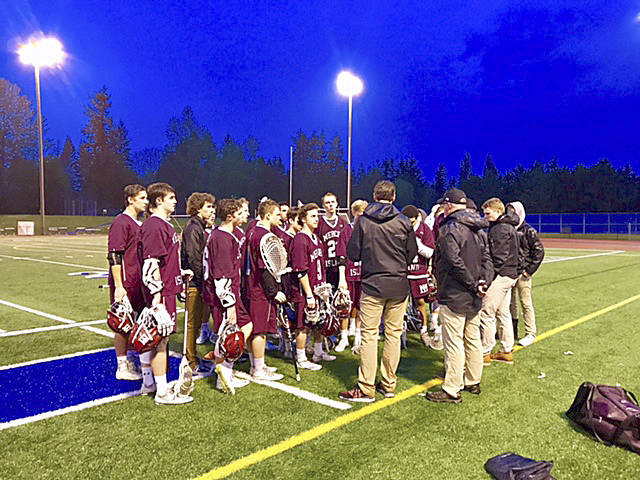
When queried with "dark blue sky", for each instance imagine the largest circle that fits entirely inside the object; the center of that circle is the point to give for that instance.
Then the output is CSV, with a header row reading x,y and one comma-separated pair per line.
x,y
520,80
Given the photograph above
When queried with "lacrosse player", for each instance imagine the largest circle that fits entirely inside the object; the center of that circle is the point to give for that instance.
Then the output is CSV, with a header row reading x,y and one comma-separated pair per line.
x,y
329,227
162,277
125,270
349,273
221,284
263,291
284,214
201,208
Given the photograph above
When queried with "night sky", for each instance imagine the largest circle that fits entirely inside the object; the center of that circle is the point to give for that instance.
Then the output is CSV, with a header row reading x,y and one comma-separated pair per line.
x,y
523,81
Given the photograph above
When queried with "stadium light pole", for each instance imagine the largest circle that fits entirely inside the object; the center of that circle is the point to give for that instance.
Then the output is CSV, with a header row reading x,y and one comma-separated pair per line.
x,y
349,86
41,52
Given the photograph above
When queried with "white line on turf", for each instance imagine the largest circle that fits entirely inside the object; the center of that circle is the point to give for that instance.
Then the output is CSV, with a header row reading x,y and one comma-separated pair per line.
x,y
564,259
93,267
14,333
56,318
298,392
51,359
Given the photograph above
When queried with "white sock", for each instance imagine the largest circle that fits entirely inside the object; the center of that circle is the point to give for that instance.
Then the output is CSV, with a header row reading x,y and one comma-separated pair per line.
x,y
147,376
121,359
301,354
343,334
433,321
258,364
352,324
317,348
161,384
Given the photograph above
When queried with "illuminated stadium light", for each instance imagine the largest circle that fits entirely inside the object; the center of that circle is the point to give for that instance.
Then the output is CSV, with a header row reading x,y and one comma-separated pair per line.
x,y
348,84
43,52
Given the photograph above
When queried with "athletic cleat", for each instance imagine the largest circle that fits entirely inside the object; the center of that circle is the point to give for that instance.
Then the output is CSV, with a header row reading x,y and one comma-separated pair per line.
x,y
147,389
127,371
203,337
486,359
356,395
426,339
224,382
173,396
235,383
266,375
473,389
385,393
502,357
357,347
323,357
267,368
204,369
442,397
307,365
343,344
527,340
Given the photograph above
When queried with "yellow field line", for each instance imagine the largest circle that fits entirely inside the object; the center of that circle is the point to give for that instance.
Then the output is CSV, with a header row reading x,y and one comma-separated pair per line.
x,y
343,420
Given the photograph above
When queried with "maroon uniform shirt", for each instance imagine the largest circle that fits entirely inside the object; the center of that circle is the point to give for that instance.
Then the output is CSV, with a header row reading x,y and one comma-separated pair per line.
x,y
281,233
329,233
159,240
257,265
306,256
420,264
353,269
124,237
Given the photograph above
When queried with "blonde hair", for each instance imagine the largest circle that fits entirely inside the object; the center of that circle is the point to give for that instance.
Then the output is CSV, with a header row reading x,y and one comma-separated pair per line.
x,y
358,206
494,204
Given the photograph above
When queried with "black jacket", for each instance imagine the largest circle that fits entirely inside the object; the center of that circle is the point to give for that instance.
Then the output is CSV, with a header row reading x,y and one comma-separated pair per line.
x,y
194,239
531,251
384,241
462,261
503,244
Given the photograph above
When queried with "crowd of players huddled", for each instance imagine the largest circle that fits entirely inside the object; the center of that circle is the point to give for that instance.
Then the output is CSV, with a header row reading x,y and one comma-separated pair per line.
x,y
235,300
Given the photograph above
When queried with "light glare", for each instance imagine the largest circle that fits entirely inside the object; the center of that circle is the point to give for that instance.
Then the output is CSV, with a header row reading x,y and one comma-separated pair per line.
x,y
44,52
348,84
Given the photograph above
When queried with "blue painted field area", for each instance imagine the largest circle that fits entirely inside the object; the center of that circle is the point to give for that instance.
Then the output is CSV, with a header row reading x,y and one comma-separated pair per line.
x,y
44,387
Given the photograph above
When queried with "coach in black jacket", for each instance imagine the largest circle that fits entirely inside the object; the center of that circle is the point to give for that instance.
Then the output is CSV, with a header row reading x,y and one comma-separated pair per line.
x,y
463,272
384,241
194,239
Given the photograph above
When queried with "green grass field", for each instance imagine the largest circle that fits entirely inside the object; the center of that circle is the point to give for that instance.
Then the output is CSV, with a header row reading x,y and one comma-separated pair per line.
x,y
517,411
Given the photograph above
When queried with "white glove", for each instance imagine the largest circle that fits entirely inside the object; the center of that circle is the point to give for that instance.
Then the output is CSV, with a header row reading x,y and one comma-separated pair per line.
x,y
280,297
165,323
186,273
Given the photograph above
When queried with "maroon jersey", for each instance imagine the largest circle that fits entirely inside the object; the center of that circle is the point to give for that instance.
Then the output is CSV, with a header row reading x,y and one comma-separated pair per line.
x,y
159,240
352,272
287,239
281,234
250,226
221,259
329,232
306,256
257,265
420,264
124,238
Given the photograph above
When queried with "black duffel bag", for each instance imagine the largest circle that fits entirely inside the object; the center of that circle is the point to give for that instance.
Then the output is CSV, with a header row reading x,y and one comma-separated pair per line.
x,y
510,466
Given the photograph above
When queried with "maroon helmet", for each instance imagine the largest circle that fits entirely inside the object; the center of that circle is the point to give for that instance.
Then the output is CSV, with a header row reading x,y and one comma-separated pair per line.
x,y
120,317
432,288
230,343
342,303
330,324
144,335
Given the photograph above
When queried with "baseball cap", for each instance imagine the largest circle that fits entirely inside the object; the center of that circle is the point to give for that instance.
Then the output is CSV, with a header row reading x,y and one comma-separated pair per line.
x,y
454,195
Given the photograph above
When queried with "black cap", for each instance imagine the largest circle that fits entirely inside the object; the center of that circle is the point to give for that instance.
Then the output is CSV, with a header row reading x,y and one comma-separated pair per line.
x,y
454,195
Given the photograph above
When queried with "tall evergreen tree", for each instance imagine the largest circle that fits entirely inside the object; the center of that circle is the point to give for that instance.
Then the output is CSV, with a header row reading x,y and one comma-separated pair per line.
x,y
440,182
465,167
69,161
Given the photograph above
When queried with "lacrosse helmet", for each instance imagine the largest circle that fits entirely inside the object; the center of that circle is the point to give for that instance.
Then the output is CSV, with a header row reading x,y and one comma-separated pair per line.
x,y
432,291
120,317
342,302
230,343
330,323
312,315
144,335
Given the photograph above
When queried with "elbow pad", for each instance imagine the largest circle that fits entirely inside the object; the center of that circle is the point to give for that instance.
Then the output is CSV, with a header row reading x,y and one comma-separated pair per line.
x,y
342,261
114,258
149,268
224,292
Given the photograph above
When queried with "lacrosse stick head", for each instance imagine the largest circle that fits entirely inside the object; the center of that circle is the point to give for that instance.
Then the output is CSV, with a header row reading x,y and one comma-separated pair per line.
x,y
342,303
323,292
274,255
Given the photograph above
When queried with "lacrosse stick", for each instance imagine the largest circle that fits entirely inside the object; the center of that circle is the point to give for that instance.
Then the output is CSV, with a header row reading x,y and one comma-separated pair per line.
x,y
185,377
284,322
274,256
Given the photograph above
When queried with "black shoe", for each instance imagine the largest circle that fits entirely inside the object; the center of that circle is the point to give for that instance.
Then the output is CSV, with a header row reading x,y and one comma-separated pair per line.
x,y
473,389
442,397
380,389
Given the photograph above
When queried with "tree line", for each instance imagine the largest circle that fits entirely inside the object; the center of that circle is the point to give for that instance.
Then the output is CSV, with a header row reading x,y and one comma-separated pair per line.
x,y
191,160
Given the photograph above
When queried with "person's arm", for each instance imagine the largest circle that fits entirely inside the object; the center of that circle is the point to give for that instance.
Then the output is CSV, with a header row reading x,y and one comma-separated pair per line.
x,y
411,248
354,247
192,239
536,251
115,263
452,256
499,243
306,288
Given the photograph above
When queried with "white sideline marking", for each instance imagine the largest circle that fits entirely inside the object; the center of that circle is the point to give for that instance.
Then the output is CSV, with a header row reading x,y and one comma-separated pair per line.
x,y
92,267
14,333
60,248
2,331
564,259
298,392
51,359
56,318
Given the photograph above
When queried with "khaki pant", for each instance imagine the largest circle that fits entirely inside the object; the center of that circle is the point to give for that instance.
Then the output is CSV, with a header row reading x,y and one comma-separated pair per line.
x,y
198,312
523,290
462,349
371,311
495,306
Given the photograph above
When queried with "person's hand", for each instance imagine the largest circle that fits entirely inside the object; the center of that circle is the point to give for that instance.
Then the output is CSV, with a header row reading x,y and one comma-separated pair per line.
x,y
165,323
482,288
119,293
311,302
157,298
232,317
524,275
186,274
343,285
280,297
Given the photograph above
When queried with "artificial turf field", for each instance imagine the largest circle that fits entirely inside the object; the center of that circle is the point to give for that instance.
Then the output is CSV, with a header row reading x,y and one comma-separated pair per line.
x,y
405,438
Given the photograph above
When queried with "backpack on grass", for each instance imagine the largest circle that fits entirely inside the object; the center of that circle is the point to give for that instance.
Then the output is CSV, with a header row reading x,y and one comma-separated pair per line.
x,y
611,413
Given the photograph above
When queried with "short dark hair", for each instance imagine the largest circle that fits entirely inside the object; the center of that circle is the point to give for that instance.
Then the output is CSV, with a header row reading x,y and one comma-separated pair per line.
x,y
131,191
157,191
384,190
306,208
283,204
266,207
197,200
292,214
226,207
411,211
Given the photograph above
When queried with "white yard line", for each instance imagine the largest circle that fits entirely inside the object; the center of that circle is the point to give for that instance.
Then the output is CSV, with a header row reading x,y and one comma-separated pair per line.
x,y
51,359
92,267
14,333
66,248
298,392
56,318
564,259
